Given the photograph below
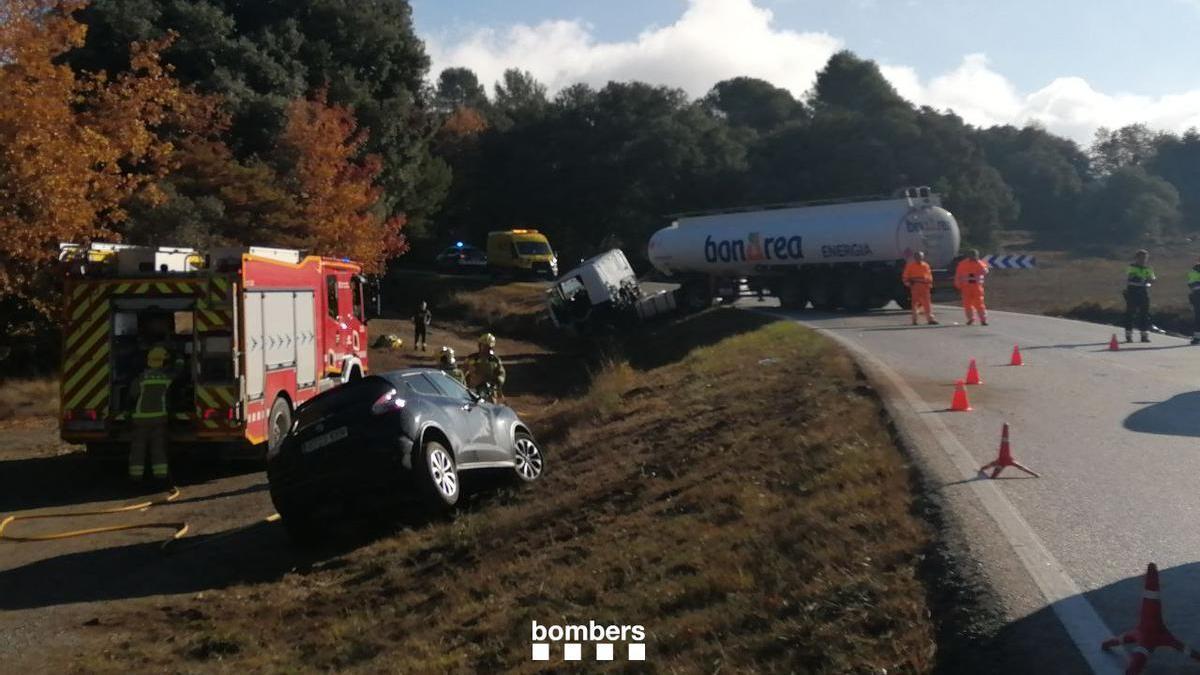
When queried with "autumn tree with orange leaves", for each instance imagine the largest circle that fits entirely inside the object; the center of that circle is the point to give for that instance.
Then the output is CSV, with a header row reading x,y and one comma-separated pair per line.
x,y
75,146
339,201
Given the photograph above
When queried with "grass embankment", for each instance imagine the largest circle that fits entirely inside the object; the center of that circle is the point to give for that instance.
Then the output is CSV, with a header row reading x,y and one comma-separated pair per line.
x,y
516,309
744,502
28,399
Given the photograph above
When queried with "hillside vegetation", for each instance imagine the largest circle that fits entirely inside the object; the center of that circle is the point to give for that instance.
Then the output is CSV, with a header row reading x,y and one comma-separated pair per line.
x,y
721,499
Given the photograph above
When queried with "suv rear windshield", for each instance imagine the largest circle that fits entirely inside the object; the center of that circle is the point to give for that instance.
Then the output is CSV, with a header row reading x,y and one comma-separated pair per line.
x,y
357,394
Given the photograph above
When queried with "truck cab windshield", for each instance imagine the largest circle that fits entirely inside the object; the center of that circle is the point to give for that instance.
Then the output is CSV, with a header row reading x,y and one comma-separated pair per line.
x,y
533,248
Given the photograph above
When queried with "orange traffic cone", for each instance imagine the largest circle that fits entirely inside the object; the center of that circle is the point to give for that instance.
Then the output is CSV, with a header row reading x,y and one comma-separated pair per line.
x,y
1006,459
1150,632
973,374
1016,357
960,402
1113,345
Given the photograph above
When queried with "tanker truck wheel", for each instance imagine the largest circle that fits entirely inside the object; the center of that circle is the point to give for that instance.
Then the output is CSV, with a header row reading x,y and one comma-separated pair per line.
x,y
823,291
856,291
792,294
697,295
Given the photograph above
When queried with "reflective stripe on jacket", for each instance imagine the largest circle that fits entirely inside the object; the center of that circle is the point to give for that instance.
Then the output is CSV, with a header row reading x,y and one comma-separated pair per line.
x,y
1140,276
152,394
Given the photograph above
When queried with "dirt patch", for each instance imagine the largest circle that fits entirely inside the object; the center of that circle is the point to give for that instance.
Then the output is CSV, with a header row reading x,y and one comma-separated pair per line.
x,y
722,501
28,399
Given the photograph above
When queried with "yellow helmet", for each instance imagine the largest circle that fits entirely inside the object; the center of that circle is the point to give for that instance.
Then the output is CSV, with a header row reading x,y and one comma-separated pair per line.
x,y
156,357
487,340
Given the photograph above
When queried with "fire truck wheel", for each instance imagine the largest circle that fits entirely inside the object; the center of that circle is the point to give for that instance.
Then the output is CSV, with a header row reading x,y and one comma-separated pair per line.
x,y
279,423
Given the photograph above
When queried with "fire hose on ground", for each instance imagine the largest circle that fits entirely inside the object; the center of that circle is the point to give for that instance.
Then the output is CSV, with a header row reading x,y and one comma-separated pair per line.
x,y
180,527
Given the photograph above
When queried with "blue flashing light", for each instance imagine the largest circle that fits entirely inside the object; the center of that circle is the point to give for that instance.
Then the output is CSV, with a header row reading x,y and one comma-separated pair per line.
x,y
459,244
345,260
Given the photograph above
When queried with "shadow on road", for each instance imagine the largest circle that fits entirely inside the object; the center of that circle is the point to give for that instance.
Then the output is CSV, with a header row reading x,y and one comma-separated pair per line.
x,y
906,327
1064,346
257,553
1138,348
1175,416
1039,644
75,478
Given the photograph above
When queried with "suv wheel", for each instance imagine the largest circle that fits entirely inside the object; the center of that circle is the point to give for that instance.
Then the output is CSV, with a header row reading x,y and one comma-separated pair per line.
x,y
299,520
437,475
528,459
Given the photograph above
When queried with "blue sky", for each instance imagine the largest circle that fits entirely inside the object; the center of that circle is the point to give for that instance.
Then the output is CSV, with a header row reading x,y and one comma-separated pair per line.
x,y
1068,64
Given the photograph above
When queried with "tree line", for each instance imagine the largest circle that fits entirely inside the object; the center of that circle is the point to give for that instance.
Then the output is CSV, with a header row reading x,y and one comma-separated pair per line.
x,y
314,124
601,167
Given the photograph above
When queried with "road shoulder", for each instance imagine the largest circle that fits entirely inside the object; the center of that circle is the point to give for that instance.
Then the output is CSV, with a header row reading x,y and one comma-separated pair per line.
x,y
992,608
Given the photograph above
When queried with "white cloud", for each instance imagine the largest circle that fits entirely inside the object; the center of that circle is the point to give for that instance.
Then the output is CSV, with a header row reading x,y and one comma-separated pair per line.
x,y
1068,106
712,41
717,39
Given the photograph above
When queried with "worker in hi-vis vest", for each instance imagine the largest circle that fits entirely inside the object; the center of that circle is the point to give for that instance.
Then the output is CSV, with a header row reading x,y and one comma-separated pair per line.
x,y
969,278
919,279
1194,297
150,417
1139,277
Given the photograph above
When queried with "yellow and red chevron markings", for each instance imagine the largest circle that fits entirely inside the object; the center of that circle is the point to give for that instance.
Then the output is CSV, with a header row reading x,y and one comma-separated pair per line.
x,y
214,309
86,348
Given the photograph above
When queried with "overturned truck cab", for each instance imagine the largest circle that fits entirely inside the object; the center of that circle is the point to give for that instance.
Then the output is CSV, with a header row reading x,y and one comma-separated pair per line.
x,y
603,293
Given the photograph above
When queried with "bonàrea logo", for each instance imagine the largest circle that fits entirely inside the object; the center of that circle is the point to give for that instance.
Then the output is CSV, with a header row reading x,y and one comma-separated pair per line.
x,y
602,636
755,247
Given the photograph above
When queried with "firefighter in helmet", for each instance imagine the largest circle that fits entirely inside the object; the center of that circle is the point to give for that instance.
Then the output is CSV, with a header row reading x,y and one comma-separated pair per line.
x,y
450,366
485,370
150,416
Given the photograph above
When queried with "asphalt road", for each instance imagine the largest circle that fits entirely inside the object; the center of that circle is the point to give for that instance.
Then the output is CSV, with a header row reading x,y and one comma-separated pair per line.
x,y
1115,437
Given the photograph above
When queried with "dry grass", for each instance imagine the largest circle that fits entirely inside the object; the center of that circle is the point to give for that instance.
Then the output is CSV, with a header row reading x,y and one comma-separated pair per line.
x,y
517,309
1064,280
746,504
25,399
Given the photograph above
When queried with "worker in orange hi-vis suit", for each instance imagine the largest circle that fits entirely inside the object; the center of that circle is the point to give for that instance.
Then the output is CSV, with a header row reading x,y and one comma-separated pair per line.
x,y
919,279
968,279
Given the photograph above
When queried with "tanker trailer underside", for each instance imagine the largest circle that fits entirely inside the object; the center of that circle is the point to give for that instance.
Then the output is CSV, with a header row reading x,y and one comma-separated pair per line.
x,y
850,287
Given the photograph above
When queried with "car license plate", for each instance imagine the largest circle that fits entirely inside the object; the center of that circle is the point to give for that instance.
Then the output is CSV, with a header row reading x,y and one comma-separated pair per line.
x,y
324,440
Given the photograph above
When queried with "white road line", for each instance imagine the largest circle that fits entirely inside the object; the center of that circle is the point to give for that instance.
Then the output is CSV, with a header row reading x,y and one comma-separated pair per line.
x,y
1083,624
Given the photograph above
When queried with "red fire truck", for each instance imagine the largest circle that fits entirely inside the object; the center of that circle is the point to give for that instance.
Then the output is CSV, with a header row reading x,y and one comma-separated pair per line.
x,y
253,333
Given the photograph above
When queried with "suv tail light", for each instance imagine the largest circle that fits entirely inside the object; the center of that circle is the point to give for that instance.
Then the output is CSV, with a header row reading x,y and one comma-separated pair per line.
x,y
389,402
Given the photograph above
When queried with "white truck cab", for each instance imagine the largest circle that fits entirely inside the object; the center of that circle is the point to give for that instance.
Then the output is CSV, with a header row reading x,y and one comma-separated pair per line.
x,y
603,289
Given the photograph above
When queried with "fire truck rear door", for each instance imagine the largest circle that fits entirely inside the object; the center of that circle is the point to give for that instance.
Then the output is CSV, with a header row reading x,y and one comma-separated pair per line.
x,y
254,345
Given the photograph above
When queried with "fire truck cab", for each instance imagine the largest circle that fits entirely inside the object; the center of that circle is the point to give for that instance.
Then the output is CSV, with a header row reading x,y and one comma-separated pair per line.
x,y
252,333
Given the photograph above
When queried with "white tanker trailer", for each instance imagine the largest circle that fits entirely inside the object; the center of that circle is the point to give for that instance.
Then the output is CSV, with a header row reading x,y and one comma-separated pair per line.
x,y
847,254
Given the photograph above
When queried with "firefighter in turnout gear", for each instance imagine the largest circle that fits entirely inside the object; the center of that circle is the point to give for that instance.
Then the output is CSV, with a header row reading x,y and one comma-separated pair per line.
x,y
450,366
485,370
969,277
919,279
1139,277
150,416
1193,280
